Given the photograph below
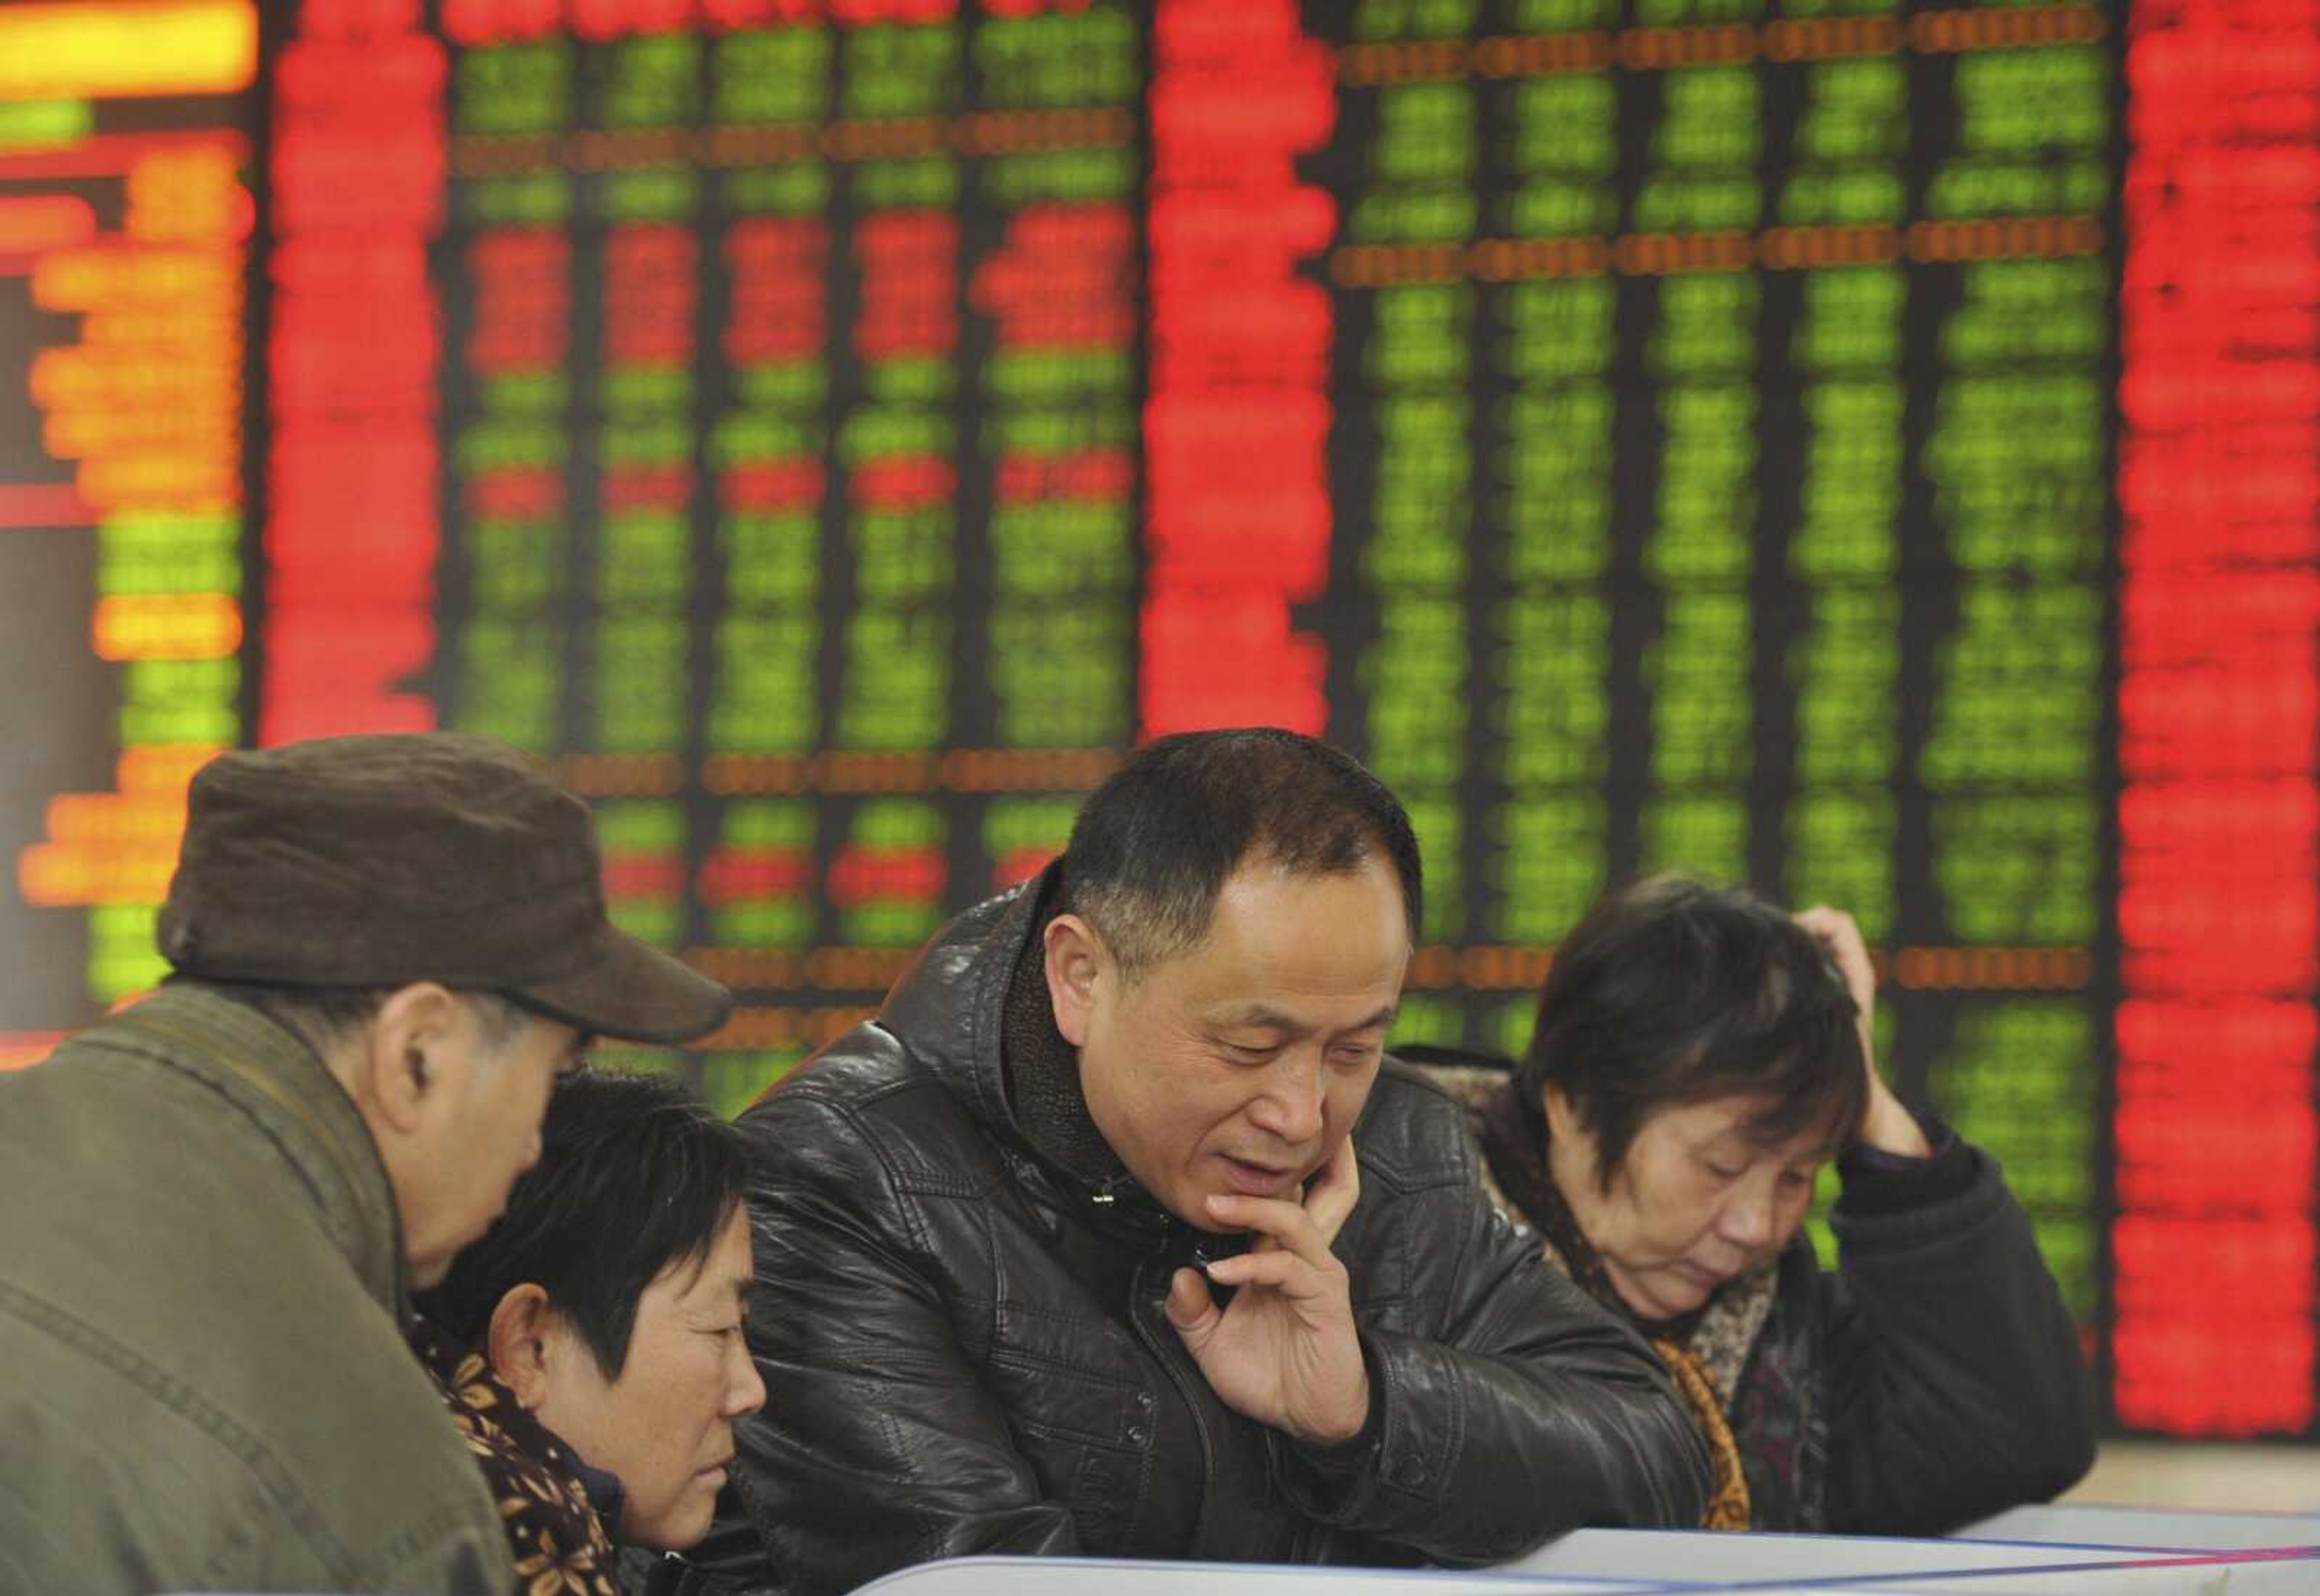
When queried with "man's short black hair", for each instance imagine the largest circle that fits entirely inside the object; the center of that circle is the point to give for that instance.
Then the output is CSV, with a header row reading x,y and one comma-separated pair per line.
x,y
1670,992
636,1177
1155,843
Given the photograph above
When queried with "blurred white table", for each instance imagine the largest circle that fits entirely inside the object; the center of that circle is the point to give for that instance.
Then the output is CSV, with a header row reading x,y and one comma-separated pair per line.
x,y
1650,1563
1080,1576
1699,1557
2171,1530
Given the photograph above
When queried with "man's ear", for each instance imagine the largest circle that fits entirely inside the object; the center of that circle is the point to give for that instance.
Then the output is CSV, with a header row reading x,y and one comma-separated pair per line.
x,y
1077,961
516,1343
408,1055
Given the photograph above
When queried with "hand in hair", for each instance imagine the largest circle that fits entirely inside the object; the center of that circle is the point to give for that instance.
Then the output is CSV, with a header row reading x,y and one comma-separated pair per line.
x,y
1887,1126
1283,1352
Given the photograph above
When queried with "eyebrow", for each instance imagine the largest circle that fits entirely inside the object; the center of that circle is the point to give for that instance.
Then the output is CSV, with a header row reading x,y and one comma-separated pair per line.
x,y
1264,1017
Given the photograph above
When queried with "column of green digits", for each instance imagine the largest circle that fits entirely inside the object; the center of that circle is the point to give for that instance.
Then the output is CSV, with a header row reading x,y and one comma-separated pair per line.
x,y
1846,167
1378,21
757,895
1551,630
897,438
644,398
2018,464
1669,14
888,879
1700,554
1548,633
1845,662
1021,834
2018,1081
1418,188
759,884
1064,563
1414,674
1846,171
1059,421
511,391
175,706
643,843
768,437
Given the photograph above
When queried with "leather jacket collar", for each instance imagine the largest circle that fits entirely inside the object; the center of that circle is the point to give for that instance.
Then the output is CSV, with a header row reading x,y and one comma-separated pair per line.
x,y
974,1008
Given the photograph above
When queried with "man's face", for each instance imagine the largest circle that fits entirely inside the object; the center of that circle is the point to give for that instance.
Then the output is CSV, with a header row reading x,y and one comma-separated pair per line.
x,y
1238,1068
483,1132
665,1426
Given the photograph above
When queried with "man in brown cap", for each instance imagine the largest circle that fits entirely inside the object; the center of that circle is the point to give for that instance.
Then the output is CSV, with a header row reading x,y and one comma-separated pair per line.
x,y
214,1204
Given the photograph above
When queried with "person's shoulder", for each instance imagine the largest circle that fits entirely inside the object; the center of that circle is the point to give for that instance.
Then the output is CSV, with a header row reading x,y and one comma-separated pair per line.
x,y
856,1071
867,1107
1413,1132
203,1411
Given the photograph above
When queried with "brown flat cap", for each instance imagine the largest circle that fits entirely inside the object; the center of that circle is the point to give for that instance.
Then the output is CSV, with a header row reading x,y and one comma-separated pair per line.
x,y
379,861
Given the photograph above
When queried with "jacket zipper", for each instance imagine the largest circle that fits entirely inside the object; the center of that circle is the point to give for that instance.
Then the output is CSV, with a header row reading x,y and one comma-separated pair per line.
x,y
1184,1388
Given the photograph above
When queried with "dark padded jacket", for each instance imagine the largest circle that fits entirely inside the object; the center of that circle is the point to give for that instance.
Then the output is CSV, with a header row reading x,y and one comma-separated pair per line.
x,y
965,1350
1950,1369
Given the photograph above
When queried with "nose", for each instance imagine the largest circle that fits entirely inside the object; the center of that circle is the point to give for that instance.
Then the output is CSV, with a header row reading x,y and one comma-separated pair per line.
x,y
1295,1092
744,1388
1748,1220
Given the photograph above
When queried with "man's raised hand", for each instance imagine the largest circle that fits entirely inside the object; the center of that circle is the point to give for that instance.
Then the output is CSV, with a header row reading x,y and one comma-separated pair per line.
x,y
1283,1352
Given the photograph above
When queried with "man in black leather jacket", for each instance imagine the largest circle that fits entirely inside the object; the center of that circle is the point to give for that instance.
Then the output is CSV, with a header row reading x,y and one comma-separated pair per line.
x,y
1116,1234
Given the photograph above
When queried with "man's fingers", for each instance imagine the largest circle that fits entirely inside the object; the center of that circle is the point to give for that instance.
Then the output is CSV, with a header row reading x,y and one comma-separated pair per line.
x,y
1287,1223
1191,1309
1331,1198
1286,1271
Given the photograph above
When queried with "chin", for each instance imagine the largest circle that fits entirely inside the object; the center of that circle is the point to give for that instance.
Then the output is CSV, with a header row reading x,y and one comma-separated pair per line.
x,y
677,1531
1668,1300
1194,1209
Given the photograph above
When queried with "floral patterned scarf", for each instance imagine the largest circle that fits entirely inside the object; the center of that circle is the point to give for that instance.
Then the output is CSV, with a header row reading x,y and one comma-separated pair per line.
x,y
557,1539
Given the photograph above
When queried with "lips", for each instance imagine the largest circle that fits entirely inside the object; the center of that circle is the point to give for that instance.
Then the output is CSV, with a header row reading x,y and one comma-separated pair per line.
x,y
1258,1180
1708,1279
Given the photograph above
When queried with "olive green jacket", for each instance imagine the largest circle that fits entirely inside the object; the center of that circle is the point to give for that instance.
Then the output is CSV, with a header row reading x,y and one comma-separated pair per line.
x,y
203,1381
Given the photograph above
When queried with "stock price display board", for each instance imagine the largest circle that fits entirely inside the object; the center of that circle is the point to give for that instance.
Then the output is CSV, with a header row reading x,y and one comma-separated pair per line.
x,y
1864,450
125,223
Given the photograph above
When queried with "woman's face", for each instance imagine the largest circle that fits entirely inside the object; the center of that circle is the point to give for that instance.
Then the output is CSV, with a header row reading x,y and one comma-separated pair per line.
x,y
1697,1203
665,1424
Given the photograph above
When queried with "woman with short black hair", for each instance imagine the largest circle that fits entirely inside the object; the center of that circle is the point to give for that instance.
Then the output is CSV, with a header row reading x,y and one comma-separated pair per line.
x,y
590,1346
1698,1055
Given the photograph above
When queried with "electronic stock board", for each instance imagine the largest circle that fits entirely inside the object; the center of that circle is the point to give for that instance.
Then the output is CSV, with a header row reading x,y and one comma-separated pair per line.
x,y
1860,448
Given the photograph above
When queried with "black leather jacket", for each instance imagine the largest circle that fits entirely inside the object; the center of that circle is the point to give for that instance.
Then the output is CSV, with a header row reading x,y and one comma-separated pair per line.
x,y
965,1351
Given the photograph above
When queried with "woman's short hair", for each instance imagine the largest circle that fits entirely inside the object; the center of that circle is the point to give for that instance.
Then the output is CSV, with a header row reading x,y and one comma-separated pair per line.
x,y
637,1175
1670,992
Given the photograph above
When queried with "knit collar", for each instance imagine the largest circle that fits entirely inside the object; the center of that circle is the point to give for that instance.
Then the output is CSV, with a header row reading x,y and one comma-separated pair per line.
x,y
1042,1070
